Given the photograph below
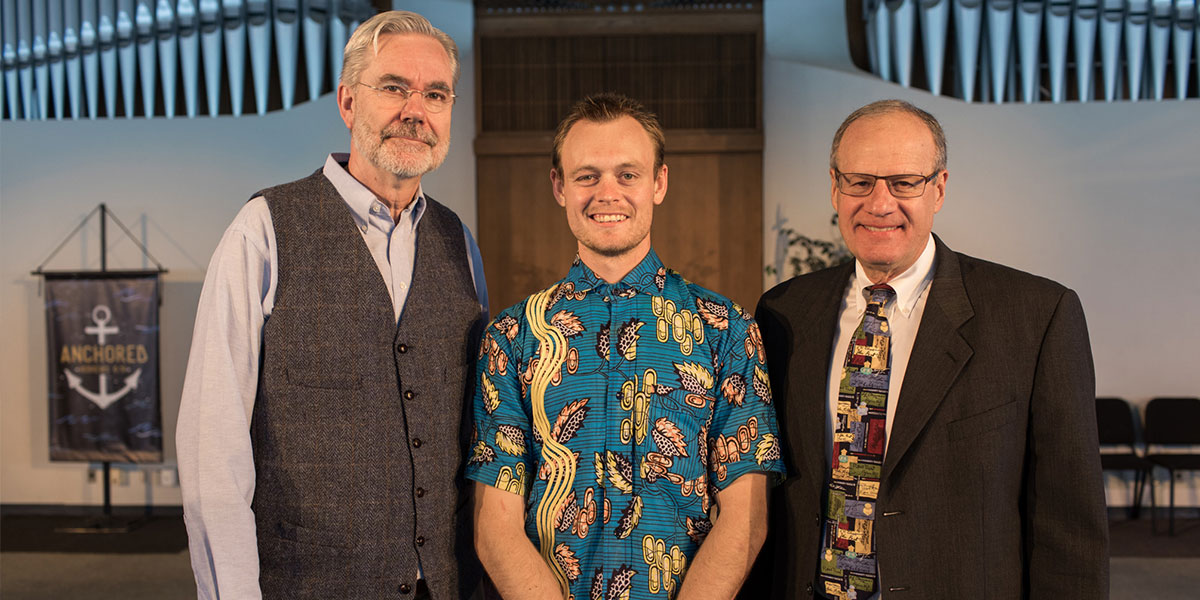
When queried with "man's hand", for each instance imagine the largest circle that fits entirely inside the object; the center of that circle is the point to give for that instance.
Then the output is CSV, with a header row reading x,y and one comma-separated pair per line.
x,y
739,528
508,556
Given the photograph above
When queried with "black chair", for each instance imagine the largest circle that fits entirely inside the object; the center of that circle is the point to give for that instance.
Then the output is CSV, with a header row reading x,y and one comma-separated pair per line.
x,y
1114,421
1173,422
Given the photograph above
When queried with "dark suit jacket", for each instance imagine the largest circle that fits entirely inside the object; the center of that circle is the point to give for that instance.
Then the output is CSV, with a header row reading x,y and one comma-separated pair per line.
x,y
991,486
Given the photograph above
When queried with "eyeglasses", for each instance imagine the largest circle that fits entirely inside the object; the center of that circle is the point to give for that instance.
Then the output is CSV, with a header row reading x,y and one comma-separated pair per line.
x,y
901,186
434,100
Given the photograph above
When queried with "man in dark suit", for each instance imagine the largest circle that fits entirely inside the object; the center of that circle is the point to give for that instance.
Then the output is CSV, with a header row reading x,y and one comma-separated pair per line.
x,y
940,428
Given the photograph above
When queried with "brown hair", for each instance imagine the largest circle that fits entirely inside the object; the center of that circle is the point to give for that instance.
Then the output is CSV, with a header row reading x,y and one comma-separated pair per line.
x,y
885,107
605,107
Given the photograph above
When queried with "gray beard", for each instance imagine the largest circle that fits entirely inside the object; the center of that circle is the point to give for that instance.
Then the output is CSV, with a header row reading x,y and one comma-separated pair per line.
x,y
401,164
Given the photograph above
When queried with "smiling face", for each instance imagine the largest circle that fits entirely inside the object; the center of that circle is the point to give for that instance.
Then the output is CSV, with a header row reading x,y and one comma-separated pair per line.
x,y
609,188
887,234
398,139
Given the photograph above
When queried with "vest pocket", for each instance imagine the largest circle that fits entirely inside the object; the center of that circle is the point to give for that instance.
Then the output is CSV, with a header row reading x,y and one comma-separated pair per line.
x,y
324,380
312,537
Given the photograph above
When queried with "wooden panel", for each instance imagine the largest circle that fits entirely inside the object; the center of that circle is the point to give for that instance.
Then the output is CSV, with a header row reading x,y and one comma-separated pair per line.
x,y
709,227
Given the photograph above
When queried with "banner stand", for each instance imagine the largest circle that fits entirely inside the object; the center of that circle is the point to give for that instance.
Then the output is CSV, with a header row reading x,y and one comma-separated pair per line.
x,y
106,523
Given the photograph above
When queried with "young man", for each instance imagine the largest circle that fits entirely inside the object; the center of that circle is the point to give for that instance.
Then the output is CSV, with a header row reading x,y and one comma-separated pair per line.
x,y
624,427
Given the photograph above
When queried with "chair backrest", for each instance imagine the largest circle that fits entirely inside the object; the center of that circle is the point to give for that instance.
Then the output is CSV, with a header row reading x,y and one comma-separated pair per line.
x,y
1173,421
1114,421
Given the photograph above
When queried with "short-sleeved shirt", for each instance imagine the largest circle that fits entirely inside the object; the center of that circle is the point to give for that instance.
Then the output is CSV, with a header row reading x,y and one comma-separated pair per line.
x,y
619,411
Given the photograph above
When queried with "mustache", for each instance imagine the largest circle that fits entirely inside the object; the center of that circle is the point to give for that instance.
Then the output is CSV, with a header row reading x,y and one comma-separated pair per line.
x,y
409,130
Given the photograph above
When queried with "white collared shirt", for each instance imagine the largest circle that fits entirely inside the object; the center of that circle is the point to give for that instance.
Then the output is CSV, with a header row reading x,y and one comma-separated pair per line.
x,y
904,318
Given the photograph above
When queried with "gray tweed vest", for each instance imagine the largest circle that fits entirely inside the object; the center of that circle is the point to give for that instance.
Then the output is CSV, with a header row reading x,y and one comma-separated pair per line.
x,y
358,427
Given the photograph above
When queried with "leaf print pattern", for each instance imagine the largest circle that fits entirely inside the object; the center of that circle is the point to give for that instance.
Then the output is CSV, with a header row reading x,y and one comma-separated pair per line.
x,y
602,342
627,338
629,518
566,559
597,589
698,528
768,449
491,395
618,585
668,438
694,377
620,472
570,420
508,325
482,454
511,440
762,386
715,314
734,389
567,323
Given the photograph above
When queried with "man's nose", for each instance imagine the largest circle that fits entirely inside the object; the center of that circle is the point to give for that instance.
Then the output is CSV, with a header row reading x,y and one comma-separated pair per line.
x,y
608,189
413,108
880,201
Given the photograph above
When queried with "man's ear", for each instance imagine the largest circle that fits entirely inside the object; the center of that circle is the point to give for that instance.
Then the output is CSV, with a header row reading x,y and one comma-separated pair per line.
x,y
345,102
660,185
556,187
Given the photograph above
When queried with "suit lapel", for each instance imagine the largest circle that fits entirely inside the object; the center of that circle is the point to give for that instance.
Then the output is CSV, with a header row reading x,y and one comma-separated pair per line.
x,y
810,366
938,356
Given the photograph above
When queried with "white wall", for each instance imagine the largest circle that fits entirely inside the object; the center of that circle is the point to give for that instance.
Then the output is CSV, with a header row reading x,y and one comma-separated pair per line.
x,y
1104,198
177,183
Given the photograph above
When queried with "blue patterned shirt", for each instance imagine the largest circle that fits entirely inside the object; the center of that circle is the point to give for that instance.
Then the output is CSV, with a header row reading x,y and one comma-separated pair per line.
x,y
619,411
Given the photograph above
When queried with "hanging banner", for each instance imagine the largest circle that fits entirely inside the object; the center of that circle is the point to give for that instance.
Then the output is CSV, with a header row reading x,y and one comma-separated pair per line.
x,y
102,337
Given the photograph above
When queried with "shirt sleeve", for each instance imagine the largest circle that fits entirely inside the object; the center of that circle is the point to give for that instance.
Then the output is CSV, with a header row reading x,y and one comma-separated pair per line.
x,y
744,435
475,261
216,464
501,453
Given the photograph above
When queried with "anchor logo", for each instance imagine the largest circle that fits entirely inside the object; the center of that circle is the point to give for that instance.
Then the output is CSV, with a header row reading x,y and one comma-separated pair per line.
x,y
101,315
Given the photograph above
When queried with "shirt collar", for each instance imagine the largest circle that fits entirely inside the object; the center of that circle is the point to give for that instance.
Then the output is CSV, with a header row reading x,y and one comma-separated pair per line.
x,y
909,285
359,198
644,278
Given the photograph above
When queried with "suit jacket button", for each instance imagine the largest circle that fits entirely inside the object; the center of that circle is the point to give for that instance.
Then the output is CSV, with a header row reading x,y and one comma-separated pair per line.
x,y
404,588
408,395
401,348
416,443
420,540
420,492
808,589
817,519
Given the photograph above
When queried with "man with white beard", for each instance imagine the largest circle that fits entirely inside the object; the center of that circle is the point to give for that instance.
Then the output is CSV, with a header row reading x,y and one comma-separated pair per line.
x,y
319,429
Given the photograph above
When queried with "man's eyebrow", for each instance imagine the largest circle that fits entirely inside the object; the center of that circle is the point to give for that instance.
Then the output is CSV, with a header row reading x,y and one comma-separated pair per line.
x,y
441,86
390,78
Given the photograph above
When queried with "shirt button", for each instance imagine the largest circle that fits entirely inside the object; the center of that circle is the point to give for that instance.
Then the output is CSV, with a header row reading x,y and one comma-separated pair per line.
x,y
404,588
416,442
420,540
408,395
363,227
420,492
606,298
401,348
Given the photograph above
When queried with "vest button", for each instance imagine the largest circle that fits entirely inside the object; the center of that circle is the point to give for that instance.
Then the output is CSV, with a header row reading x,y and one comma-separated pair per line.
x,y
408,395
420,492
401,348
416,442
420,540
808,589
404,588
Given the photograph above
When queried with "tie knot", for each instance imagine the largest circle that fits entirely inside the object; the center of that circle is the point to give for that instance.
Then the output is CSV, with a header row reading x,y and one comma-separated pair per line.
x,y
880,294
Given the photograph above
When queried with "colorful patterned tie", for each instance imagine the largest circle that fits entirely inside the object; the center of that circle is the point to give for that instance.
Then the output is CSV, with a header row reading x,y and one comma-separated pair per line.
x,y
848,548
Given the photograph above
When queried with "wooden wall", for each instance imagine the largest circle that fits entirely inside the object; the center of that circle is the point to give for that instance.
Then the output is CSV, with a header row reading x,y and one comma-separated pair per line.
x,y
701,73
